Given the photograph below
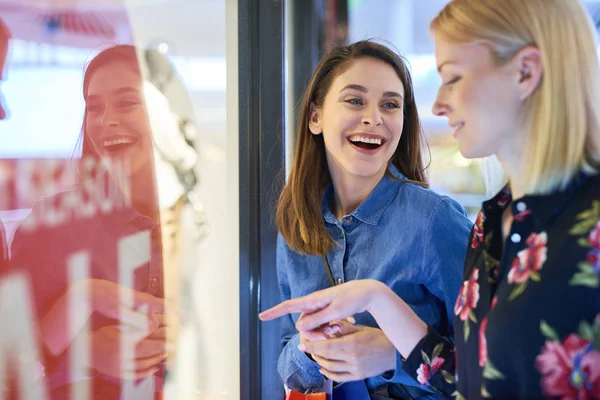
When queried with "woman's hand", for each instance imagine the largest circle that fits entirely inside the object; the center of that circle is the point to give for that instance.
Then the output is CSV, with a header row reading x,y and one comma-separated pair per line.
x,y
106,348
359,355
395,318
106,297
335,303
144,312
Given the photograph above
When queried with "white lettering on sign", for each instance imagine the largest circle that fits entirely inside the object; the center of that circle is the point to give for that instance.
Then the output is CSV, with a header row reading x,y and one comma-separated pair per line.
x,y
134,251
109,191
18,345
18,342
79,311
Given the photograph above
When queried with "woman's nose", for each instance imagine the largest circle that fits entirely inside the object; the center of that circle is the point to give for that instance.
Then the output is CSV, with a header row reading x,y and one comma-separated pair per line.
x,y
440,106
109,117
372,116
440,109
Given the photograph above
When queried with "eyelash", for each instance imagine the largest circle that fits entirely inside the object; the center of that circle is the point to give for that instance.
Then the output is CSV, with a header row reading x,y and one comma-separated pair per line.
x,y
453,81
120,105
127,103
394,105
350,101
93,107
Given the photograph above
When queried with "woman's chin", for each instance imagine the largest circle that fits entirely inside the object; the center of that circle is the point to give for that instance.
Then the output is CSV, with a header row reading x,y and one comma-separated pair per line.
x,y
468,151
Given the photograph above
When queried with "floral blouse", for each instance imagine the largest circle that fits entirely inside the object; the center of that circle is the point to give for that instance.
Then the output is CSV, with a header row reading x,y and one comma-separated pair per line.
x,y
527,318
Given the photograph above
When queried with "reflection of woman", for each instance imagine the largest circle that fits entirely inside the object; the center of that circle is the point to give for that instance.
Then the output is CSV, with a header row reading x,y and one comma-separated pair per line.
x,y
117,227
520,79
355,203
116,125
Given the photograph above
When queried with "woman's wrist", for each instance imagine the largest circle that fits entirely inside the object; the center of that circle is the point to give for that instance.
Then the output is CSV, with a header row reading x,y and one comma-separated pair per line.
x,y
396,319
380,298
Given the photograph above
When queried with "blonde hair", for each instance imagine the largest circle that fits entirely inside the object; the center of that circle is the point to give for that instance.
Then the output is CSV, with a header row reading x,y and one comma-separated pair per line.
x,y
562,116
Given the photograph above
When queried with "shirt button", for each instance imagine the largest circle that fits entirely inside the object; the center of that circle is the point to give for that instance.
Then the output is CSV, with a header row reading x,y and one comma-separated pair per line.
x,y
153,282
515,238
341,235
521,206
348,219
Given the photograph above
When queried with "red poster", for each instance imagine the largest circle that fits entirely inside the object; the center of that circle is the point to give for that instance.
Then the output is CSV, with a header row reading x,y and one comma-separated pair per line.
x,y
81,273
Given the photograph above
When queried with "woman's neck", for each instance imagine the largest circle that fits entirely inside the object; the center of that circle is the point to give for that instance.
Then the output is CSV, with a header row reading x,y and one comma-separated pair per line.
x,y
139,192
351,190
144,197
511,161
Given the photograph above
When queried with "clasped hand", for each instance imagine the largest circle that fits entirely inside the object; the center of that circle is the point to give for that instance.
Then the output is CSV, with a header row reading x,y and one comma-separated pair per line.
x,y
347,352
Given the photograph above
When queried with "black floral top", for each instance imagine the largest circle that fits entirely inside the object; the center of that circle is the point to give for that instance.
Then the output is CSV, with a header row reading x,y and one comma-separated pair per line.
x,y
527,318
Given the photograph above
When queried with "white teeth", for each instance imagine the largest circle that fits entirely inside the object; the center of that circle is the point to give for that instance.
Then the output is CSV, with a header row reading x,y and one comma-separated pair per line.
x,y
114,142
363,139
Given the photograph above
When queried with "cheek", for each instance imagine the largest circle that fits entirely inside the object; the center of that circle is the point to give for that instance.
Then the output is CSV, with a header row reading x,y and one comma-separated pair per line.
x,y
333,141
399,126
465,97
395,125
485,97
134,117
340,120
137,121
92,124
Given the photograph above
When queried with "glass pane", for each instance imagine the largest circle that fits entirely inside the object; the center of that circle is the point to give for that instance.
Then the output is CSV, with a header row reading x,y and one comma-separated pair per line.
x,y
404,24
114,161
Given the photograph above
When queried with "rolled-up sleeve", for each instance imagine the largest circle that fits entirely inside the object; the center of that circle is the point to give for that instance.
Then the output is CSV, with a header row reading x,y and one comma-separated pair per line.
x,y
444,257
432,361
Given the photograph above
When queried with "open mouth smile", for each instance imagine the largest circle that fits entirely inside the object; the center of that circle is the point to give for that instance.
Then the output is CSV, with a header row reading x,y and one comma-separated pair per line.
x,y
366,143
117,144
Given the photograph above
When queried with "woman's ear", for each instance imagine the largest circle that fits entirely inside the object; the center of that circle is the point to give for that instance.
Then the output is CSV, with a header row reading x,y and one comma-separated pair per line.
x,y
530,70
314,123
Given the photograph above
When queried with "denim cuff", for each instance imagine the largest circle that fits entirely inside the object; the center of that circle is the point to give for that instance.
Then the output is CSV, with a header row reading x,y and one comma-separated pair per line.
x,y
303,361
393,375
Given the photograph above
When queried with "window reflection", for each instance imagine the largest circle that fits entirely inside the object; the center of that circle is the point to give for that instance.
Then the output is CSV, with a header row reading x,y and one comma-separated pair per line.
x,y
80,206
84,281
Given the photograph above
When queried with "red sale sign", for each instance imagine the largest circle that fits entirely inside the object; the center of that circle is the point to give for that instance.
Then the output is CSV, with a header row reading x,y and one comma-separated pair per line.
x,y
82,293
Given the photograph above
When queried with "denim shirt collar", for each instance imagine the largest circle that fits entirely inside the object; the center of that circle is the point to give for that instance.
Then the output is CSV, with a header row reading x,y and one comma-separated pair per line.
x,y
370,210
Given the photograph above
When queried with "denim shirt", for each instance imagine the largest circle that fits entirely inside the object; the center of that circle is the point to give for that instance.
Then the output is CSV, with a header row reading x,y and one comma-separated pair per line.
x,y
404,235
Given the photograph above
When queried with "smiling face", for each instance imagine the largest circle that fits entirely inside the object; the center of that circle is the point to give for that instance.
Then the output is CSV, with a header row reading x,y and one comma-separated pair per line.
x,y
481,100
116,123
361,119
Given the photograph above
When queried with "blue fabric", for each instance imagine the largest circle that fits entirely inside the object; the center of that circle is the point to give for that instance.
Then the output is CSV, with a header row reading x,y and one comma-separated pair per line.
x,y
411,238
356,390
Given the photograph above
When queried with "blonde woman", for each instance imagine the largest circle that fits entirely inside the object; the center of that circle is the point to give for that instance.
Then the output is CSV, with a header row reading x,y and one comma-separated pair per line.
x,y
520,81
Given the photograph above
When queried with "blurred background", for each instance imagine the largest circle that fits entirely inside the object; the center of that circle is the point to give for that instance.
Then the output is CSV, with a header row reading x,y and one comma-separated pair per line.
x,y
243,64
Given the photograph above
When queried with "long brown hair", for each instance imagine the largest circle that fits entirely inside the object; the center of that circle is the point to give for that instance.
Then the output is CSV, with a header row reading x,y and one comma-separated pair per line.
x,y
299,217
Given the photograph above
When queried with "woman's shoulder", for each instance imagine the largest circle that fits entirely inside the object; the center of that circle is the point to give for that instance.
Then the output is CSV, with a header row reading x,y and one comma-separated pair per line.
x,y
429,211
411,192
49,212
591,187
426,200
